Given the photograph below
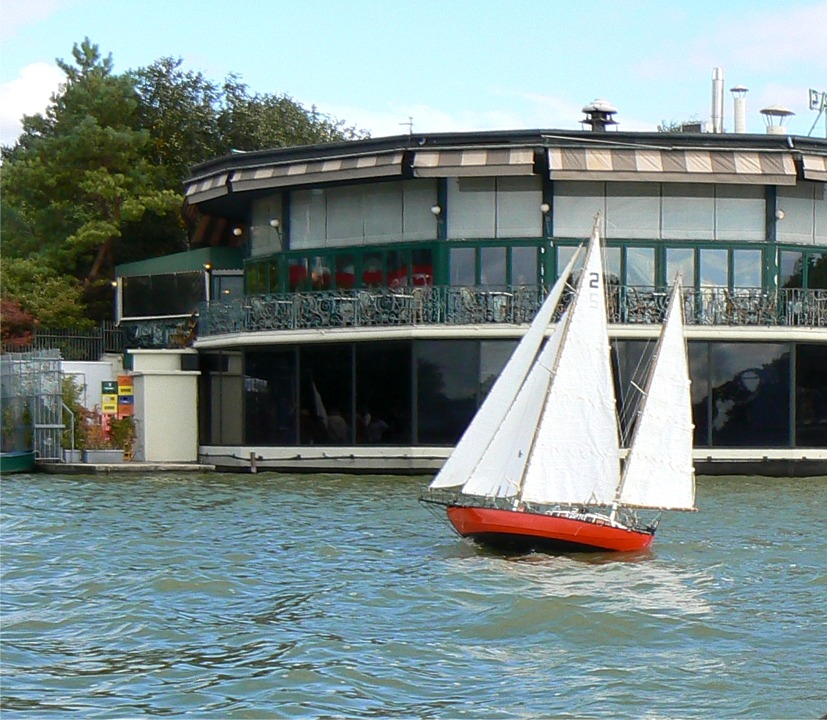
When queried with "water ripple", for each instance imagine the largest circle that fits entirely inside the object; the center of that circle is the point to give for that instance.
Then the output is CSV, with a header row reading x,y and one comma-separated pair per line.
x,y
327,596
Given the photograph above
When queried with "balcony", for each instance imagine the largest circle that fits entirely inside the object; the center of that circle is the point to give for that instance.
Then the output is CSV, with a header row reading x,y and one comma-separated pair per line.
x,y
383,307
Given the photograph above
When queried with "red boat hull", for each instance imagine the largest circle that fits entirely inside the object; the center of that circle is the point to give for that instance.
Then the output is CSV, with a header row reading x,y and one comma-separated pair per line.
x,y
515,529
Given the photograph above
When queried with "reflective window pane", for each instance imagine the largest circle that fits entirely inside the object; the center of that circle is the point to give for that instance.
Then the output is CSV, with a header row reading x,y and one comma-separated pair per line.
x,y
325,395
792,269
422,267
492,266
817,271
750,394
810,396
345,276
680,260
372,270
640,266
383,409
713,267
463,270
270,398
746,268
447,389
524,266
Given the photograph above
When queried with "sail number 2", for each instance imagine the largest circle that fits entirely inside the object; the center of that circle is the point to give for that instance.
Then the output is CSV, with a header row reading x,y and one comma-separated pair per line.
x,y
594,284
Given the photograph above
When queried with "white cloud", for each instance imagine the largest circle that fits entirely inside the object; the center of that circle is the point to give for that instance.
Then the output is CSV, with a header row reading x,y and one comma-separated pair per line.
x,y
16,14
27,94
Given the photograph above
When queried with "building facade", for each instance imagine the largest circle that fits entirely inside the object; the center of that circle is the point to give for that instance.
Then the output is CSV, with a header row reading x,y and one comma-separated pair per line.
x,y
386,281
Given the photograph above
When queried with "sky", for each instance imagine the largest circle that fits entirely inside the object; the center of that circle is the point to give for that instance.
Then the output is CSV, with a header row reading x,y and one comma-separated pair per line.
x,y
444,65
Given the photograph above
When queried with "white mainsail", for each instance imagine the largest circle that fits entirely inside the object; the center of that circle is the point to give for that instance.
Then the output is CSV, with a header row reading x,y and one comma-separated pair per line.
x,y
574,458
658,472
480,432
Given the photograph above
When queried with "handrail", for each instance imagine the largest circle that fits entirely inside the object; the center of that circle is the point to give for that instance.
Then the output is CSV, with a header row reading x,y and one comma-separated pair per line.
x,y
385,307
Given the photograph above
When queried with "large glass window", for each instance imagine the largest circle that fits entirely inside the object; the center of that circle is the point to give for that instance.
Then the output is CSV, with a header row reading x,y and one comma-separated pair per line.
x,y
270,398
163,295
811,396
383,409
447,388
326,395
750,394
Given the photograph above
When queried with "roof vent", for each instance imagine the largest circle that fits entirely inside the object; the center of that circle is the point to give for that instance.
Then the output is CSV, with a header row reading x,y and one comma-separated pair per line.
x,y
599,115
739,97
775,117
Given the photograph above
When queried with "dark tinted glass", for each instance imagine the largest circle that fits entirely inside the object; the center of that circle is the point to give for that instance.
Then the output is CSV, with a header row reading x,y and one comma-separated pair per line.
x,y
326,395
811,396
270,398
447,389
750,394
383,393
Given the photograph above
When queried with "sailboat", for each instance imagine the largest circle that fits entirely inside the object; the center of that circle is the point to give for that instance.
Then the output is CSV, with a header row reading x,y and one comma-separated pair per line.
x,y
540,465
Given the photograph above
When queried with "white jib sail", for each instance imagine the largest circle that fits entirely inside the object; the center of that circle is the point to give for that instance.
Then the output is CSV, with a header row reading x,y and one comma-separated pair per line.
x,y
488,418
658,472
574,458
500,468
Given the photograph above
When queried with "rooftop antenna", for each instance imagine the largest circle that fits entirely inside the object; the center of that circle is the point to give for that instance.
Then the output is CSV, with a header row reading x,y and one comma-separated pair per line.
x,y
409,124
818,101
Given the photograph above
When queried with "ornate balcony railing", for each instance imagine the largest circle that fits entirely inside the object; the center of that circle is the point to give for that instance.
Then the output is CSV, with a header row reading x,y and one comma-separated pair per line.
x,y
473,306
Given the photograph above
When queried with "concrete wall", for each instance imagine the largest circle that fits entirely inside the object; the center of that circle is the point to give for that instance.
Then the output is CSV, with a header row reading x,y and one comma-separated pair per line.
x,y
166,406
90,375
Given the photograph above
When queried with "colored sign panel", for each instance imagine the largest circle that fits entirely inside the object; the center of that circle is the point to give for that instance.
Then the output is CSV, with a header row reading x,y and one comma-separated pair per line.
x,y
109,387
109,404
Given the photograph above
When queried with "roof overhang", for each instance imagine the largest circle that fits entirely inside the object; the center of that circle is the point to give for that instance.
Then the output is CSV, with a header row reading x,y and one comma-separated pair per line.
x,y
668,165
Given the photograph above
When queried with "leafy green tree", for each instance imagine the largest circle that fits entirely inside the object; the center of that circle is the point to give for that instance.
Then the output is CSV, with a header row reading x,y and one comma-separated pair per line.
x,y
96,179
56,300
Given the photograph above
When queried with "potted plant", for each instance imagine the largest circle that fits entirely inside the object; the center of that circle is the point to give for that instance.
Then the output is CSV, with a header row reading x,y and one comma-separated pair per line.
x,y
75,416
99,446
122,435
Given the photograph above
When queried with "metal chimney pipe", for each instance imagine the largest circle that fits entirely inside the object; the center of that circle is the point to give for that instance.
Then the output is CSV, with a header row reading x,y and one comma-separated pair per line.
x,y
717,100
739,93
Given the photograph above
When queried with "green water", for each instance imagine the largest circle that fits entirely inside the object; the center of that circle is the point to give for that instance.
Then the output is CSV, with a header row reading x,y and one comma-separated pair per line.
x,y
248,596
